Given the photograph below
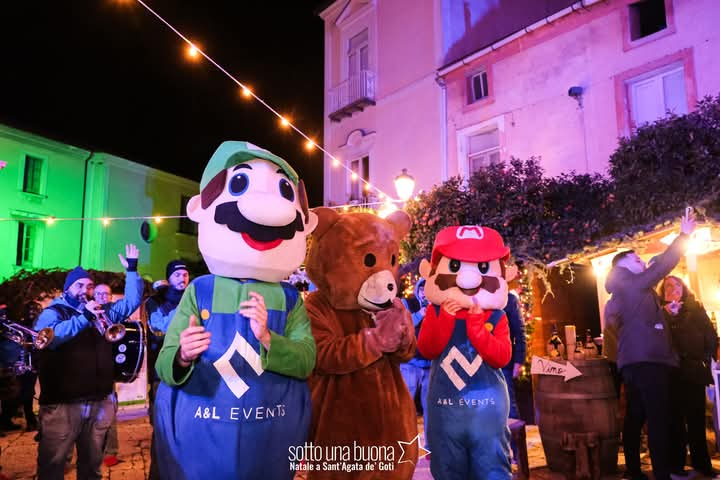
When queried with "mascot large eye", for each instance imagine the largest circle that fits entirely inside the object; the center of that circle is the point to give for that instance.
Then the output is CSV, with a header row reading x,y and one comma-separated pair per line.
x,y
484,267
370,260
454,266
239,184
392,260
286,190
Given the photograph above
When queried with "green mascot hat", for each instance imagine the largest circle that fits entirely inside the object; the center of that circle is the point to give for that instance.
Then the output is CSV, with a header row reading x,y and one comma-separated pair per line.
x,y
233,153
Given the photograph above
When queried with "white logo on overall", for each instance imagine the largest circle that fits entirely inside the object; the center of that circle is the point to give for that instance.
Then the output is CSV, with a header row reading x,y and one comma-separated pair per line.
x,y
470,368
236,384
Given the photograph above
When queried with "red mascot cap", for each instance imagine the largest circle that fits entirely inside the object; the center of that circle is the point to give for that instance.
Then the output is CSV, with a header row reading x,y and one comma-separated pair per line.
x,y
469,243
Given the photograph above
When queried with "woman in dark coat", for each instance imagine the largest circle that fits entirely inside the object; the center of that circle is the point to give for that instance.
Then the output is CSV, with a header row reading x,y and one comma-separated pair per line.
x,y
695,342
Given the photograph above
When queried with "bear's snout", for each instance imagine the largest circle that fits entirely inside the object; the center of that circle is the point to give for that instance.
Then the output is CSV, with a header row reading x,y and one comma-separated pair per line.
x,y
377,291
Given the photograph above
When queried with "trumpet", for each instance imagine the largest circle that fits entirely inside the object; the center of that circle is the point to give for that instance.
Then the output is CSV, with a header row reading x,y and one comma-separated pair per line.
x,y
20,335
112,332
27,339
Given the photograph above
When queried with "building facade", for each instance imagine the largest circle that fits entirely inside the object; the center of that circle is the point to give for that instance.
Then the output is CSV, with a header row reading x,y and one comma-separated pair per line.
x,y
47,187
455,85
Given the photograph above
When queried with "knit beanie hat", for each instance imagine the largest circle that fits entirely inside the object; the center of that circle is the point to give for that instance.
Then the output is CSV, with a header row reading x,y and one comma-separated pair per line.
x,y
75,274
173,266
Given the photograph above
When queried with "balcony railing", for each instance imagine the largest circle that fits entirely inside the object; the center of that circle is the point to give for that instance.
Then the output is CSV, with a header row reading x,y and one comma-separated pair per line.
x,y
352,95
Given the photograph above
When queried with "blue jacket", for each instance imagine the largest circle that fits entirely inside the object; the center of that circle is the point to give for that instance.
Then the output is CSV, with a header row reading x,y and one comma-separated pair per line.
x,y
78,364
67,329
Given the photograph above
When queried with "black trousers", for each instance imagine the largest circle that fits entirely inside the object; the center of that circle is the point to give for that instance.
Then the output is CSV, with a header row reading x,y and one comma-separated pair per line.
x,y
647,388
688,426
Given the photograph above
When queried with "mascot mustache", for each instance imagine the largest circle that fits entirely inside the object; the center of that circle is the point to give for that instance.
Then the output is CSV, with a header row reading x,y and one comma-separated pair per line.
x,y
228,214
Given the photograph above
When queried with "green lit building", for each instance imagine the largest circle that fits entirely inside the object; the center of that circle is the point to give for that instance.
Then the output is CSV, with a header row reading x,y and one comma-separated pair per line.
x,y
44,178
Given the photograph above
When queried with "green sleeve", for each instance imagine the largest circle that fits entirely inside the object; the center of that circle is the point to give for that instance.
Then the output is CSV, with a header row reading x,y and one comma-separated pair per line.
x,y
168,371
294,353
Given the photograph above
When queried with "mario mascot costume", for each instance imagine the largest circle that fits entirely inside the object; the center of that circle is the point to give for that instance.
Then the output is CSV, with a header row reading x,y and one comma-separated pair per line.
x,y
239,349
466,335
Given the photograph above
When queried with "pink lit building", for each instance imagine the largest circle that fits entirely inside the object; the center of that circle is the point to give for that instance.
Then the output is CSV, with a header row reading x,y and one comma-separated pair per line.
x,y
445,87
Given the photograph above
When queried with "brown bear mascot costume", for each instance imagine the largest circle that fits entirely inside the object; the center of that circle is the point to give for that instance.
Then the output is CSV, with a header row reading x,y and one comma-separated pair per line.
x,y
361,405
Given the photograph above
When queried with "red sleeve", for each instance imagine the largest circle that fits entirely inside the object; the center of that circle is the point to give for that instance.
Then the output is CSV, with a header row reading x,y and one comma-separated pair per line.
x,y
435,332
493,346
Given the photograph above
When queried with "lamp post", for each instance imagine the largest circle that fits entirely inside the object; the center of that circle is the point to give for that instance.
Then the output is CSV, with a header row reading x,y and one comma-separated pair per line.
x,y
404,185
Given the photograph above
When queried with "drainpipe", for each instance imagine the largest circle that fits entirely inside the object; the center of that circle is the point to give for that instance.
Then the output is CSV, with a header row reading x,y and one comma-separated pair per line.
x,y
443,128
82,214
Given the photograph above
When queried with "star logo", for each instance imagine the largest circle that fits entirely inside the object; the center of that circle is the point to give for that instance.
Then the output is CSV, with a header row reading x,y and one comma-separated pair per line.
x,y
470,368
422,451
236,384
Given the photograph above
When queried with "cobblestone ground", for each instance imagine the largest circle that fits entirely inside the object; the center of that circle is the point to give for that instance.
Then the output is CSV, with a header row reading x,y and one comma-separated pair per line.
x,y
19,452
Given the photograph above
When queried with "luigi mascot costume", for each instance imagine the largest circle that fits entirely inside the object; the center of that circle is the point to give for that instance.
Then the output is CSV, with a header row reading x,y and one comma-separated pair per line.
x,y
234,397
466,335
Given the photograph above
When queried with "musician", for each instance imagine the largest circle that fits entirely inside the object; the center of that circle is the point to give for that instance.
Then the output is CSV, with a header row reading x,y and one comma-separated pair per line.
x,y
76,372
9,385
103,295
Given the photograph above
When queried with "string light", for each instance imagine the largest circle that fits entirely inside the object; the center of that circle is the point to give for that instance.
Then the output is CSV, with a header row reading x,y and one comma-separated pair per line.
x,y
193,52
105,220
286,123
353,176
309,145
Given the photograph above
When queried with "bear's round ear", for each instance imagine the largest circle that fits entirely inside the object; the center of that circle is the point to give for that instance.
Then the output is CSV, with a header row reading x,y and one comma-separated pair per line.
x,y
326,218
400,222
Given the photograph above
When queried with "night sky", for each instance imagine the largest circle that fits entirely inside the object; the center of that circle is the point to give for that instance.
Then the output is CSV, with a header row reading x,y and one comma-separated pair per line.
x,y
107,75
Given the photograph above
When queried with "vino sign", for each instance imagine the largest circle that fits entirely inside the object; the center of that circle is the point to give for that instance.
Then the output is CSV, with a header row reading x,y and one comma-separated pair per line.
x,y
543,366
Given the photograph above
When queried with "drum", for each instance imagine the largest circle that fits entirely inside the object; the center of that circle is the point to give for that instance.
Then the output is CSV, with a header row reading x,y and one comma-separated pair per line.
x,y
128,352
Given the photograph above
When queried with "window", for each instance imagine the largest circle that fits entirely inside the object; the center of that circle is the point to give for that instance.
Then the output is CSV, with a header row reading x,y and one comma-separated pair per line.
x,y
358,49
186,225
25,244
651,97
647,17
32,175
483,150
361,168
478,87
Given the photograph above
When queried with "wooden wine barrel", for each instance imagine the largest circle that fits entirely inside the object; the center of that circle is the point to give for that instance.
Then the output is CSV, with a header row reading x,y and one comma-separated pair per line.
x,y
585,404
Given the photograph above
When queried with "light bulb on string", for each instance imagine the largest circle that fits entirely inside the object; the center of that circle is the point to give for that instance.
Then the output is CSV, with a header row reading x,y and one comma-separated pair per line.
x,y
195,52
50,220
105,222
353,176
335,162
192,52
157,220
309,145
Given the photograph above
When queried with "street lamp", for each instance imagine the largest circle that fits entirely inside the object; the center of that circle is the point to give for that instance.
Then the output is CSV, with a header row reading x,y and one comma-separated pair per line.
x,y
404,185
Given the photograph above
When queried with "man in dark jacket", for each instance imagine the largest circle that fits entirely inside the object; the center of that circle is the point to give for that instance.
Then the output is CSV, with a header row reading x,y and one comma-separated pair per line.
x,y
76,373
645,355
